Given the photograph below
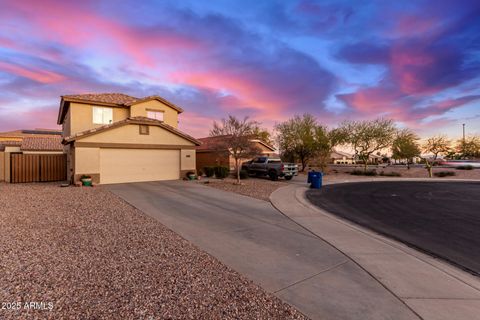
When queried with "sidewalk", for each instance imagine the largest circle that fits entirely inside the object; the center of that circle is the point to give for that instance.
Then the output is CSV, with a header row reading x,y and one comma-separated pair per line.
x,y
429,288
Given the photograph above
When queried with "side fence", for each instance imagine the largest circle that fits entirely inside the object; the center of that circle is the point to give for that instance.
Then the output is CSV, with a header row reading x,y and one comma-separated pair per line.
x,y
37,167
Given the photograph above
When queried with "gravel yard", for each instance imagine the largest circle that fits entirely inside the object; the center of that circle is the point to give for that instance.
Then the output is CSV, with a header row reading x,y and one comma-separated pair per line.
x,y
87,254
259,188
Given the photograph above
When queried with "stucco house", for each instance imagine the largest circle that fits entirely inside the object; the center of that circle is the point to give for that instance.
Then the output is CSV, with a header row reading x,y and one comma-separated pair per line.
x,y
208,154
116,138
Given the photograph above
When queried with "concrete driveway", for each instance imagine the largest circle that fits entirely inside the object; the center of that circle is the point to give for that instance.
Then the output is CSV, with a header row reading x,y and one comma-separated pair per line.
x,y
255,239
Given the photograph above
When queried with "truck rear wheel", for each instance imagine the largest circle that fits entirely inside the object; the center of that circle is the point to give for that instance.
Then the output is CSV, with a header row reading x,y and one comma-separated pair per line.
x,y
273,175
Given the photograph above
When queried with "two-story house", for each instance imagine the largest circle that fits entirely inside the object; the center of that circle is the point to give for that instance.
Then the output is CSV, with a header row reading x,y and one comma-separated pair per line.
x,y
116,138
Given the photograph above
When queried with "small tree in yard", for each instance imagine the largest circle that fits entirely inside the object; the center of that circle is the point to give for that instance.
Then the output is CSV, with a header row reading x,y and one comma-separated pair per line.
x,y
296,137
435,146
469,148
236,139
368,137
326,140
405,146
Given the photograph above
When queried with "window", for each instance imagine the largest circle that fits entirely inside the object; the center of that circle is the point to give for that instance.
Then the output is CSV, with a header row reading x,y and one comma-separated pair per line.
x,y
143,129
260,160
157,115
102,115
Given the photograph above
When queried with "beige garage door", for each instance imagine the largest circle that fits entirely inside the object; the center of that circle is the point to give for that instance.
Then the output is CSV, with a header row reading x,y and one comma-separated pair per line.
x,y
135,165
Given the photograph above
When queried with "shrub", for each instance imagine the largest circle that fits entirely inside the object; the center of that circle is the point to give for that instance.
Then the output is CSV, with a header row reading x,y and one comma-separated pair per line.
x,y
390,174
465,167
441,174
243,174
209,171
221,172
364,173
356,172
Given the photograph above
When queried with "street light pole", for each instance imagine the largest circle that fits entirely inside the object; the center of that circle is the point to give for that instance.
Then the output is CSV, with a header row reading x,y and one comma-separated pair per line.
x,y
463,140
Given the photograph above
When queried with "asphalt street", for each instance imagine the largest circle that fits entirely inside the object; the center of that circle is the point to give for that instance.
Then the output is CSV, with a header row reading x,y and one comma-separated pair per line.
x,y
440,218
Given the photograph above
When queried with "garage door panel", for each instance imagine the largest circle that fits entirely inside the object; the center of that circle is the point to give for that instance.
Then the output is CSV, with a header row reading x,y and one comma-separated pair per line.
x,y
136,165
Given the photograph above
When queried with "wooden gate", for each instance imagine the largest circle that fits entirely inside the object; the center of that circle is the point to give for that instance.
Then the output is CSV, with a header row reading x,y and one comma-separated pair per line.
x,y
37,167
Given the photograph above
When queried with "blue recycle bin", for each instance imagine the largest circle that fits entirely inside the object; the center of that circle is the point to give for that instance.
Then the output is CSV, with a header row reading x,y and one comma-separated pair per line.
x,y
310,174
316,180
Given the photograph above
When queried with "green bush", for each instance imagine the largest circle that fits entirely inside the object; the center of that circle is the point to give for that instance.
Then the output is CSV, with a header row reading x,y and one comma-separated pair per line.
x,y
441,174
390,174
243,174
363,173
221,172
465,167
209,171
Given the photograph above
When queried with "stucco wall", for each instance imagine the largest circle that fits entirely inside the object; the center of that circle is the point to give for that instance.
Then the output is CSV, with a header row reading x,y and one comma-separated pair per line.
x,y
170,115
7,167
2,166
12,149
130,134
81,117
187,159
87,160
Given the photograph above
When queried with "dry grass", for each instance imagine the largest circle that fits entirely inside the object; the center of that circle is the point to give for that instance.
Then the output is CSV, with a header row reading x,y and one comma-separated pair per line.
x,y
92,256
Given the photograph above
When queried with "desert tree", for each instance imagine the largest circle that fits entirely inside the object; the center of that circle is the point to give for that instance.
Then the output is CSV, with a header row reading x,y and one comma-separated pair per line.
x,y
326,140
296,138
236,139
433,147
468,148
368,137
405,146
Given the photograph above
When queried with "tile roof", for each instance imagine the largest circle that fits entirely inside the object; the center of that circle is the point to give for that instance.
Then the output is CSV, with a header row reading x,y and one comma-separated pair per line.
x,y
42,144
210,143
131,120
115,98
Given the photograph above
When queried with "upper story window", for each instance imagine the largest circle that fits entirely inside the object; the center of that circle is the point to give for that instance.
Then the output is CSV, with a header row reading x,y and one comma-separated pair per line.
x,y
102,115
157,115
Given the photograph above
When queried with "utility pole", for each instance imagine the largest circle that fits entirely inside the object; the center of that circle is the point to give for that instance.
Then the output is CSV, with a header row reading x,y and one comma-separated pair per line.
x,y
463,125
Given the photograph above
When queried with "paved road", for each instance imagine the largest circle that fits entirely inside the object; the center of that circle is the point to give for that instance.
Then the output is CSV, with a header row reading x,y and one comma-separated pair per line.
x,y
441,218
253,238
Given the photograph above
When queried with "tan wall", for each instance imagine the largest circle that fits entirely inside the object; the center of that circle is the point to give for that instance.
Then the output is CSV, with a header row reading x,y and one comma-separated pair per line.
x,y
187,159
170,115
81,117
66,125
135,165
12,149
87,161
2,166
130,134
7,167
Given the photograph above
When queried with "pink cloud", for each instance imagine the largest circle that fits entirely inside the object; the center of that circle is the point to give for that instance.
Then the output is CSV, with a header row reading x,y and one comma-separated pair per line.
x,y
77,25
35,74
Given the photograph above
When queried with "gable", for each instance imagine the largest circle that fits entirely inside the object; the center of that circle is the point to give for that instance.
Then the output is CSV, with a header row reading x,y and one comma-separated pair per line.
x,y
170,115
130,133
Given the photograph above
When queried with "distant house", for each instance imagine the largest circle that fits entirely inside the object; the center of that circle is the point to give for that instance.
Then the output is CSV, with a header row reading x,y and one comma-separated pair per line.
x,y
208,153
340,157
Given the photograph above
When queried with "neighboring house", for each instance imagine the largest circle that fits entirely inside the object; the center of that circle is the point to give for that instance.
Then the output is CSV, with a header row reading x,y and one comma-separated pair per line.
x,y
208,153
38,141
340,157
116,138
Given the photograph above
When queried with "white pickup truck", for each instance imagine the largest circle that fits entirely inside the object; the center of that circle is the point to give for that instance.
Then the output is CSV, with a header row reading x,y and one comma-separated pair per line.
x,y
273,167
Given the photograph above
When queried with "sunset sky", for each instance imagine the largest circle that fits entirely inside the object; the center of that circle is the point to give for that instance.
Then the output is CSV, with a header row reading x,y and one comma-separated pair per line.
x,y
417,62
